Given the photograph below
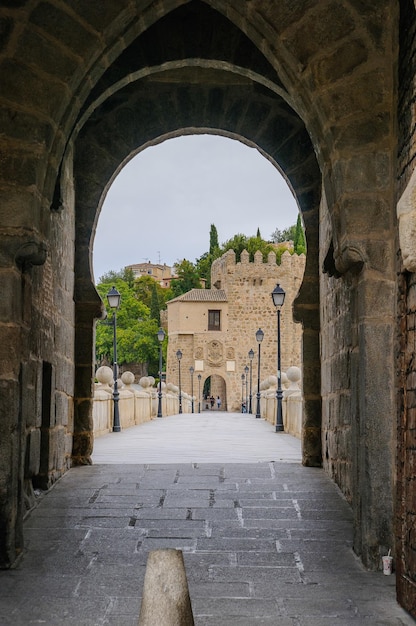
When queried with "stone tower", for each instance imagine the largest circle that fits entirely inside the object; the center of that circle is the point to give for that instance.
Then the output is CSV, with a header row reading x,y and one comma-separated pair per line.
x,y
241,302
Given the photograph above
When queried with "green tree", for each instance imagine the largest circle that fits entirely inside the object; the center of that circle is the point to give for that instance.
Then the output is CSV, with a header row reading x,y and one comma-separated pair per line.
x,y
154,305
213,240
188,278
203,267
257,243
203,264
287,234
112,276
299,242
240,242
136,330
143,288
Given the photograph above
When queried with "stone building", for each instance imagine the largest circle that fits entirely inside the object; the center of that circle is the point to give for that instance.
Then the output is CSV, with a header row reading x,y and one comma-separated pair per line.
x,y
326,91
161,273
215,328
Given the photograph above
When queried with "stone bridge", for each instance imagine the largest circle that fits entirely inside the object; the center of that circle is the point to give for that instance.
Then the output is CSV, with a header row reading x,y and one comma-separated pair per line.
x,y
325,90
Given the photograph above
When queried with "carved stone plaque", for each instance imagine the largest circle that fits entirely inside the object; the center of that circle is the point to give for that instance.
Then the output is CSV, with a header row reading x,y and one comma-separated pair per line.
x,y
215,350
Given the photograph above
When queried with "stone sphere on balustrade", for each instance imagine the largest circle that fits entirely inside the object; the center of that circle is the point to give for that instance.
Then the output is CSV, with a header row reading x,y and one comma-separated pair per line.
x,y
127,378
144,382
104,375
294,374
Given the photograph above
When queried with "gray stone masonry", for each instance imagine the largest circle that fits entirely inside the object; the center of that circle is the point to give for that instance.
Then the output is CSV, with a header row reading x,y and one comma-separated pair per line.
x,y
263,542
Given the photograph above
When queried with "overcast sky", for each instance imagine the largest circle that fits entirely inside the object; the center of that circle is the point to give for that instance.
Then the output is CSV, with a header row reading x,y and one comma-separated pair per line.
x,y
161,206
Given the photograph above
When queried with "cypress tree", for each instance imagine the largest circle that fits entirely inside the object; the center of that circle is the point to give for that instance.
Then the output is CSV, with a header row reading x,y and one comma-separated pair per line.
x,y
299,243
213,240
154,305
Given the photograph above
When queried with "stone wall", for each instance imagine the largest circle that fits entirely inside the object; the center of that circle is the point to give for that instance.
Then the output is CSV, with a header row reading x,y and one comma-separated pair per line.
x,y
406,327
337,411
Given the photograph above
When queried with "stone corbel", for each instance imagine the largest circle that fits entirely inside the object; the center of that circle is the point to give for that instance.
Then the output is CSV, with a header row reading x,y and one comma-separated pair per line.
x,y
350,258
339,261
31,253
406,215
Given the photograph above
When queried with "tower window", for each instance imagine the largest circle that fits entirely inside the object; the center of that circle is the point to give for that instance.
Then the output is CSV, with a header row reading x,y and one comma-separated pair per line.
x,y
214,320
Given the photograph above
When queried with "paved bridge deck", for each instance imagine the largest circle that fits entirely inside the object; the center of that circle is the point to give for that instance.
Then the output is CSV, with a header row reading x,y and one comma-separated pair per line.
x,y
265,540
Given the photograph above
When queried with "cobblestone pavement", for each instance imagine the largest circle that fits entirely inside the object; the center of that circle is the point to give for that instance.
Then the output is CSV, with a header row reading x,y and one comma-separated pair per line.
x,y
264,542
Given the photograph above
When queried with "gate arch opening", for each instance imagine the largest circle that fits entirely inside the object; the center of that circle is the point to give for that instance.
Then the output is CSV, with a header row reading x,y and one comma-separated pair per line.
x,y
238,100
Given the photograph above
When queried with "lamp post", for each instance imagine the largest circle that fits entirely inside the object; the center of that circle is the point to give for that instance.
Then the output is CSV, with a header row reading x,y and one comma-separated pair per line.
x,y
179,356
114,298
246,373
251,357
242,392
278,296
259,339
191,371
160,336
199,393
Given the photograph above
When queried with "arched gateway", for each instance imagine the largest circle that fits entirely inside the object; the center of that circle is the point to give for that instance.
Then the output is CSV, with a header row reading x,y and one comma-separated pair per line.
x,y
314,86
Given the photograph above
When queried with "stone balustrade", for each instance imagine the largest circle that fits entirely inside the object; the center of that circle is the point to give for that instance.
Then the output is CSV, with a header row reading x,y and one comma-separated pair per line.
x,y
292,403
139,403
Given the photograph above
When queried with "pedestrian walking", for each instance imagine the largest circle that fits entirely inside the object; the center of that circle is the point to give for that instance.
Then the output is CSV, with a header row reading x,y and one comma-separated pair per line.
x,y
218,403
212,401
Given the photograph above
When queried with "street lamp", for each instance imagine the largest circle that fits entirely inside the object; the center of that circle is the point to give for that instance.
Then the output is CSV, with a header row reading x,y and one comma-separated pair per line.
x,y
259,339
242,393
251,357
199,393
179,356
160,336
278,296
191,371
246,373
114,298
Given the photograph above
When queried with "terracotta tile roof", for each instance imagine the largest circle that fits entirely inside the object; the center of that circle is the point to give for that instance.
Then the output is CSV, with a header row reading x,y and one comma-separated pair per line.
x,y
202,295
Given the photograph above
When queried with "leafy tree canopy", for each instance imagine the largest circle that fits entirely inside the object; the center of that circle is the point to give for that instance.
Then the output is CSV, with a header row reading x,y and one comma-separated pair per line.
x,y
188,278
287,234
136,330
240,242
123,274
144,287
299,241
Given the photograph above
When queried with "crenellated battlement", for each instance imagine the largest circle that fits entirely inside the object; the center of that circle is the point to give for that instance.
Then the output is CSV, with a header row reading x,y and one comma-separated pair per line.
x,y
226,270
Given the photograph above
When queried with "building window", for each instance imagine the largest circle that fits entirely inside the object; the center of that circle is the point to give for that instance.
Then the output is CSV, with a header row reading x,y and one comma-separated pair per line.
x,y
214,320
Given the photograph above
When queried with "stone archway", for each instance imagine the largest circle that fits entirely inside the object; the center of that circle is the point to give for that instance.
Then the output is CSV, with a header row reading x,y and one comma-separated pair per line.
x,y
312,85
218,389
236,97
203,86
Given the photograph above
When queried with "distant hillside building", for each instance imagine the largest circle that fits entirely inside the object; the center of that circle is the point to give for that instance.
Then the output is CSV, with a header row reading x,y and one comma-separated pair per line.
x,y
215,328
161,273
